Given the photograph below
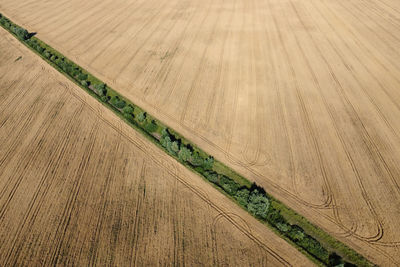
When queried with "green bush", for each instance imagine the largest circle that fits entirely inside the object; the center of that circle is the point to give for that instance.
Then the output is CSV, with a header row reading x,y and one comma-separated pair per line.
x,y
296,233
208,163
196,160
47,54
21,33
151,126
212,176
164,132
40,49
129,117
165,140
128,109
105,98
184,154
242,196
315,248
229,185
142,117
283,227
82,76
258,204
172,147
116,101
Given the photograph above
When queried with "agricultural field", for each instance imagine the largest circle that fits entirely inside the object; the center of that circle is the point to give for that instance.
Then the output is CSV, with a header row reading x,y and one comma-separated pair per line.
x,y
80,187
299,96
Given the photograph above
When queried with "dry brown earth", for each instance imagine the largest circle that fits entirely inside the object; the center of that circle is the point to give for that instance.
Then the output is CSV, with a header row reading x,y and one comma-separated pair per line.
x,y
300,96
79,187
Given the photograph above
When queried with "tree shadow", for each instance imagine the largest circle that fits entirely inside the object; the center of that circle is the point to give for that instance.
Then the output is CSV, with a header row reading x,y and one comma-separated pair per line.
x,y
31,34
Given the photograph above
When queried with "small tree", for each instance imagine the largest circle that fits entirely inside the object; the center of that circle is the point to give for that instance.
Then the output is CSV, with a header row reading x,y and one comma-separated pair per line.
x,y
184,153
40,49
165,140
151,126
142,116
196,160
208,163
296,233
175,147
105,98
164,132
128,109
283,227
116,101
82,76
229,185
212,176
242,196
258,204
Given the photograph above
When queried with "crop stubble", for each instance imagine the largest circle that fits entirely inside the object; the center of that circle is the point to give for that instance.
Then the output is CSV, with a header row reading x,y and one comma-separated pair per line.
x,y
300,96
78,186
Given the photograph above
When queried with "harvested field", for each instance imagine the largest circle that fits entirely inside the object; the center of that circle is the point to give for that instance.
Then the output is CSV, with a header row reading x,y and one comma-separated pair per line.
x,y
300,96
80,187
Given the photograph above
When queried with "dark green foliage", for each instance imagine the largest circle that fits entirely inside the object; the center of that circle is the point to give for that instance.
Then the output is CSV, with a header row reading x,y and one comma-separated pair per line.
x,y
212,176
118,102
59,62
151,126
199,170
335,259
82,76
40,49
315,248
274,217
258,204
229,185
75,72
105,98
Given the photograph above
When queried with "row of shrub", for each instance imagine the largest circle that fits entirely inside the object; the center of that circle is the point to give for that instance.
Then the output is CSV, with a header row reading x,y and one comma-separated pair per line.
x,y
253,199
18,31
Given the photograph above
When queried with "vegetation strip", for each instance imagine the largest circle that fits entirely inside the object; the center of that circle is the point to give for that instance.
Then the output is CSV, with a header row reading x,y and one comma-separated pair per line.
x,y
309,239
